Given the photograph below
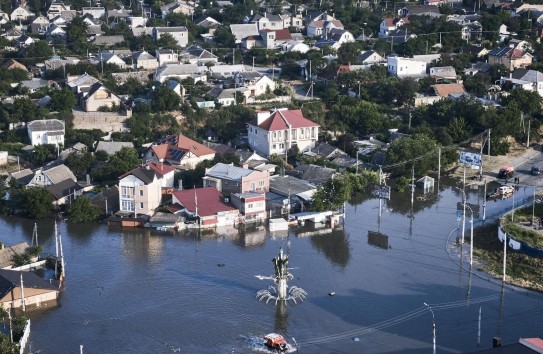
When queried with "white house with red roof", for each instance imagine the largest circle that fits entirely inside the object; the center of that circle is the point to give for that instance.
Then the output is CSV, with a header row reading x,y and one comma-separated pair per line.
x,y
252,205
391,24
140,190
273,38
206,204
179,151
277,131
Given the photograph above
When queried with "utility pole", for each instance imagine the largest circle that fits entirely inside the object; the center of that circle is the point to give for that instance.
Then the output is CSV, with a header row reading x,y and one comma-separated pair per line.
x,y
10,326
489,130
233,56
481,154
479,329
310,80
357,151
504,254
528,140
484,203
22,294
438,163
412,183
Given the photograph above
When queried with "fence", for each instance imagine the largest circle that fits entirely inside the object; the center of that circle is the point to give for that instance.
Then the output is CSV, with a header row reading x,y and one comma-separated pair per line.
x,y
24,338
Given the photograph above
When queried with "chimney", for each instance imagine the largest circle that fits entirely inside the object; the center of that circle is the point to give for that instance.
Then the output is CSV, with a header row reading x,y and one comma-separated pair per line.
x,y
265,14
496,342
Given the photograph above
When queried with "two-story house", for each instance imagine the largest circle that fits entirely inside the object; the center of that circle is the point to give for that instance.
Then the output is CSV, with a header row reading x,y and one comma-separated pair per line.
x,y
46,131
391,24
179,151
251,205
166,56
406,67
272,38
232,179
180,34
511,58
207,205
278,131
269,21
98,96
140,190
529,80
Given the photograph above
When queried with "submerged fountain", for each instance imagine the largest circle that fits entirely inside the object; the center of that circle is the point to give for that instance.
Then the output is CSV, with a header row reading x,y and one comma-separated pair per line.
x,y
281,291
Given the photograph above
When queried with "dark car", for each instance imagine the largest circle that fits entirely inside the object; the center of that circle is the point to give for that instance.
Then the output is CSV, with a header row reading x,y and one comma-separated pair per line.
x,y
535,170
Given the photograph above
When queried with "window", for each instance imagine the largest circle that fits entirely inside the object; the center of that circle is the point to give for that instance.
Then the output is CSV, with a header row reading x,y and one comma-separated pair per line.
x,y
307,133
250,206
261,183
141,192
141,205
127,192
279,134
253,187
127,205
313,132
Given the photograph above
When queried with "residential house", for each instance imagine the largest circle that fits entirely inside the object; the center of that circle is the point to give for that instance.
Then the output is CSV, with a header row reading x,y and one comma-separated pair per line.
x,y
20,14
140,190
269,21
179,151
529,80
229,97
260,85
22,177
242,31
406,67
110,58
46,131
277,131
12,33
39,25
166,56
511,58
99,96
144,60
370,57
56,8
113,147
66,191
34,85
272,39
472,31
178,7
12,64
7,252
141,76
108,41
176,87
443,73
248,157
419,10
322,24
314,174
326,151
475,50
24,41
228,71
199,56
4,17
335,38
251,205
79,83
207,205
390,24
208,23
181,72
49,177
295,46
281,187
448,90
180,34
55,30
95,12
232,179
37,291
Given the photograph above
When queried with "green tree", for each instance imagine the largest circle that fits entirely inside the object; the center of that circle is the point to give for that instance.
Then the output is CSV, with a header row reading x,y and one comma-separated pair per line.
x,y
79,163
34,202
165,100
403,150
167,41
62,100
76,35
43,153
348,52
82,210
123,161
224,37
529,101
38,52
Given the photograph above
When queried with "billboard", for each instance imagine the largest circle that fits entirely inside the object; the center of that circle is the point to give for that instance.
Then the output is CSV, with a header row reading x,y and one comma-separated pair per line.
x,y
470,158
381,192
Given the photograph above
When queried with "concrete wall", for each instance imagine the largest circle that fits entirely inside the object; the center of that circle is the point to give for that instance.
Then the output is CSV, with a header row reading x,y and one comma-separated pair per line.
x,y
33,297
105,121
3,158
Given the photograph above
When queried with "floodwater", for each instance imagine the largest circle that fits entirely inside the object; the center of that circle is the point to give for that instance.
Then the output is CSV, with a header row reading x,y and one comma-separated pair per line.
x,y
145,291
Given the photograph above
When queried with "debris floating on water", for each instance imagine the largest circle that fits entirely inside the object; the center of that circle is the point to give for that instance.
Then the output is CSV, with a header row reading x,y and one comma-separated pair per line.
x,y
220,265
332,293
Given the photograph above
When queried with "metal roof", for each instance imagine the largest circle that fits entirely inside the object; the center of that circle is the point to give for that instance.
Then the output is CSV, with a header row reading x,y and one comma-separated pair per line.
x,y
46,125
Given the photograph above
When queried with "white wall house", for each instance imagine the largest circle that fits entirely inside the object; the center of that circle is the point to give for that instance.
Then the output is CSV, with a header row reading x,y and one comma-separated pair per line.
x,y
277,131
47,131
180,34
405,67
140,190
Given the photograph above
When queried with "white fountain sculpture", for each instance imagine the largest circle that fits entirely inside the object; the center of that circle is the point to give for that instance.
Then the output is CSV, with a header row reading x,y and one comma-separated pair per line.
x,y
281,291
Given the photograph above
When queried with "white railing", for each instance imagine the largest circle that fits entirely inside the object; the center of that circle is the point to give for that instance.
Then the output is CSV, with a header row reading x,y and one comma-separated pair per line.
x,y
24,338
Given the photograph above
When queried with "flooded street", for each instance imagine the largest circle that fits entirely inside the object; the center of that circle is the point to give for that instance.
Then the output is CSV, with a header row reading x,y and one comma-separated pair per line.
x,y
145,291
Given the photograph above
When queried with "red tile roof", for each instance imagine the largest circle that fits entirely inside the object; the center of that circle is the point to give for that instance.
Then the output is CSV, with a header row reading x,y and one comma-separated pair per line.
x,y
179,142
444,90
160,168
283,34
278,120
209,201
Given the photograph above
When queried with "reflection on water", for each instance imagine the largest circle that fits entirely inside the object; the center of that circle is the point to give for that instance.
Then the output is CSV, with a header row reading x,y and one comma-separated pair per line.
x,y
378,239
335,246
281,317
138,244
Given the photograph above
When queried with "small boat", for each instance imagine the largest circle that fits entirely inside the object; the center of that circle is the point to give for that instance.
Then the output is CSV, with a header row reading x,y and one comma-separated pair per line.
x,y
276,342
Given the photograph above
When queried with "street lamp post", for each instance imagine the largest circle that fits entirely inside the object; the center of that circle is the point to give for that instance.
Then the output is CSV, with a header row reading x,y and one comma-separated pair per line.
x,y
433,327
471,235
463,213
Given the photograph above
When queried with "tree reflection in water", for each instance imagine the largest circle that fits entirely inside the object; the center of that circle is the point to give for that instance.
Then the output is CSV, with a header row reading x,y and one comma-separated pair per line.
x,y
335,247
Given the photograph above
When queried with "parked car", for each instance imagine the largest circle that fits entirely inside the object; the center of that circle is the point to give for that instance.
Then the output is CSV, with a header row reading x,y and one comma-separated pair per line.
x,y
504,190
506,172
535,170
